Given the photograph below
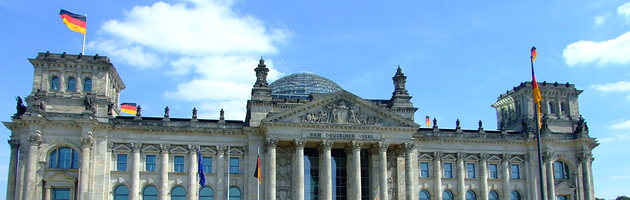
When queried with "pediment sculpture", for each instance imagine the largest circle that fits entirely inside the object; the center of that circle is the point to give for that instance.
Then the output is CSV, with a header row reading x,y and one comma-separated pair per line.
x,y
341,112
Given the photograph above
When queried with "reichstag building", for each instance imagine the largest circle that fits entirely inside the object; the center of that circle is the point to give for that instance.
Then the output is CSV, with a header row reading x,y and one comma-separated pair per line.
x,y
316,141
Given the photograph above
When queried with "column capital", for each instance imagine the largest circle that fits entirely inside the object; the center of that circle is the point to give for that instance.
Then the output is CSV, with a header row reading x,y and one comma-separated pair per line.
x,y
382,146
548,156
88,140
14,143
506,157
355,145
165,148
271,142
408,147
299,143
135,146
461,155
326,144
221,150
584,156
193,148
35,138
437,155
484,156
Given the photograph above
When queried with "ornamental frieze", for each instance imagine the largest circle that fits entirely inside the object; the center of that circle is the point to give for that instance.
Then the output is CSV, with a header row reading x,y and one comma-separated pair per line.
x,y
341,112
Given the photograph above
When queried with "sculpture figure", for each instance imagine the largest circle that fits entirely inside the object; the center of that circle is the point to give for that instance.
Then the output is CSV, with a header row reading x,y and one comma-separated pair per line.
x,y
167,112
20,108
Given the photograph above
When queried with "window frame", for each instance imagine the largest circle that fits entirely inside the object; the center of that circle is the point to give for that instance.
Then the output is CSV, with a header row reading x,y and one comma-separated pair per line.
x,y
55,190
179,167
207,167
55,83
55,162
235,169
144,193
425,173
119,162
124,196
471,173
493,174
85,84
178,196
450,170
563,169
150,166
71,81
211,196
518,171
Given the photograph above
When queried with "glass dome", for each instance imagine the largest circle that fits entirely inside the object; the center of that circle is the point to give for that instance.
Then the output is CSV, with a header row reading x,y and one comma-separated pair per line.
x,y
302,84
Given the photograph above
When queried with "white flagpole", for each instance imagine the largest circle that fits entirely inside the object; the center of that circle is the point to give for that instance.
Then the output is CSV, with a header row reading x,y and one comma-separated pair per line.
x,y
258,178
83,46
228,175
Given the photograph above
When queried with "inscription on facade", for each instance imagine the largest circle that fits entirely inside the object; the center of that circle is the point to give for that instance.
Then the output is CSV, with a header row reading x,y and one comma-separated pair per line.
x,y
340,136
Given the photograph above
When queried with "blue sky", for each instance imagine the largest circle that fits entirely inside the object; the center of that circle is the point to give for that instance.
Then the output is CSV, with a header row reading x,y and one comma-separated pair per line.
x,y
458,56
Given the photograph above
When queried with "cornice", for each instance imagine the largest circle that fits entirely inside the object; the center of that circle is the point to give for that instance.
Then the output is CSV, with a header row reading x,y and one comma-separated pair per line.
x,y
338,127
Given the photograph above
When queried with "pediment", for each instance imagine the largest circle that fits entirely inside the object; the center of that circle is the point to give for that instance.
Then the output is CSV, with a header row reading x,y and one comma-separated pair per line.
x,y
179,149
516,159
448,157
121,147
150,149
494,158
208,150
425,156
341,108
472,158
236,152
59,177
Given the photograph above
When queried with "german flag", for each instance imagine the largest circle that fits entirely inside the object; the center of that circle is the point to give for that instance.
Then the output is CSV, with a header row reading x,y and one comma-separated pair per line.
x,y
130,108
535,89
74,22
257,172
427,121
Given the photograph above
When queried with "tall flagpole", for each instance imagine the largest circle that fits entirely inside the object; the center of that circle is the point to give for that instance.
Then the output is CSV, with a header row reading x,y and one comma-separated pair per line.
x,y
83,46
228,174
540,159
257,179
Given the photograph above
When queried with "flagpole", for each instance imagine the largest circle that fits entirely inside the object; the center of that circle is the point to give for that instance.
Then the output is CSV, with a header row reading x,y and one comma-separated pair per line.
x,y
228,174
257,179
540,159
83,46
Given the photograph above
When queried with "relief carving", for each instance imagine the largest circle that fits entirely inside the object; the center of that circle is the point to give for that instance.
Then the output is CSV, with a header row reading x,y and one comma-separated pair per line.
x,y
341,112
283,178
392,176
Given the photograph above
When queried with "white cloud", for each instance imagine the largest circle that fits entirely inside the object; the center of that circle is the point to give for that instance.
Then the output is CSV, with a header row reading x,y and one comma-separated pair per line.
x,y
207,43
624,10
621,86
624,125
599,20
613,51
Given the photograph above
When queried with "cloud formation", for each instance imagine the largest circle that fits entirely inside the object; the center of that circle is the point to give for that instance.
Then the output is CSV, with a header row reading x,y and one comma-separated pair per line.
x,y
624,125
621,86
207,42
601,53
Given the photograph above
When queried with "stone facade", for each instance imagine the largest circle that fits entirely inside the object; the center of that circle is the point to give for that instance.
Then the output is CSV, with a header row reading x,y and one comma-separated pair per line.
x,y
72,139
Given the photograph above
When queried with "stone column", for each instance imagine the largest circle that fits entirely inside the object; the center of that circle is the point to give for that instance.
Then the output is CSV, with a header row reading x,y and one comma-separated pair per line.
x,y
461,175
47,192
410,177
164,149
355,171
483,175
437,178
325,170
548,158
34,139
382,156
13,165
221,169
271,155
87,143
135,171
505,168
192,172
585,159
299,169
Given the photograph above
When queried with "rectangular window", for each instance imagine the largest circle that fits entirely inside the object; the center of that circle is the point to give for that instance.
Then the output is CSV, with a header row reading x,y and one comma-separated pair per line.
x,y
121,162
493,171
61,194
515,171
178,164
470,170
207,164
234,165
149,163
448,170
424,169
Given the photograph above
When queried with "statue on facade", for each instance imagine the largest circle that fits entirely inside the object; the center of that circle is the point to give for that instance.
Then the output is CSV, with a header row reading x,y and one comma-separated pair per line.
x,y
580,125
88,102
458,124
194,113
545,122
261,74
110,109
20,108
399,82
38,103
221,115
138,111
167,112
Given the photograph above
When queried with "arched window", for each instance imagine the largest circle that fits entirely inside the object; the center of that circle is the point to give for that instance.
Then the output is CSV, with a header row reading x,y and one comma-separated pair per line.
x,y
87,85
72,84
150,193
424,195
235,193
470,195
447,195
515,195
178,193
493,195
54,83
561,197
121,193
560,170
206,193
64,158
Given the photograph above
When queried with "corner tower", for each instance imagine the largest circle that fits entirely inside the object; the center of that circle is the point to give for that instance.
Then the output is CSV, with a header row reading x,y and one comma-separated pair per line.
x,y
74,84
559,108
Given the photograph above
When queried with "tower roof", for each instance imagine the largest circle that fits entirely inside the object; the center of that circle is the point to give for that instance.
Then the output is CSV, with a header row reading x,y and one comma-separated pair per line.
x,y
303,84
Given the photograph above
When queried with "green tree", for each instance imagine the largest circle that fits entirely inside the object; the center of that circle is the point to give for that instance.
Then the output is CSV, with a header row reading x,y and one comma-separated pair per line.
x,y
622,198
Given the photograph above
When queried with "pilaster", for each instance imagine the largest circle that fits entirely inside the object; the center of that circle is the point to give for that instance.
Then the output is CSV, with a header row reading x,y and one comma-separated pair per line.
x,y
325,172
35,139
461,175
484,175
135,171
271,154
164,154
437,179
299,169
87,143
13,165
382,156
410,177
